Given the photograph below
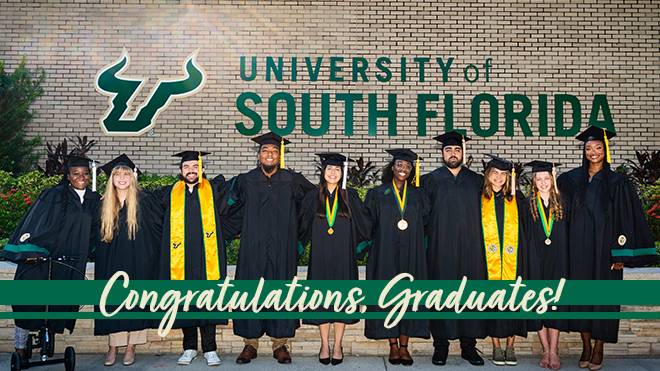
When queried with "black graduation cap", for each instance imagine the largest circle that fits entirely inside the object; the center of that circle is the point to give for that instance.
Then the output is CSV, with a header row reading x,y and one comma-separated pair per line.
x,y
594,133
274,139
190,155
121,160
499,163
451,138
538,166
77,161
407,155
403,154
333,158
269,138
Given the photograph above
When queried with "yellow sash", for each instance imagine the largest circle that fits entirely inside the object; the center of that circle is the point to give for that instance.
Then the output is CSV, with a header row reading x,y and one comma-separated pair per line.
x,y
501,263
178,231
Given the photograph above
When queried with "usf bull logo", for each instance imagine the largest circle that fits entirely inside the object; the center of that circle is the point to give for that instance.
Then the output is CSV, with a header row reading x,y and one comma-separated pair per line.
x,y
122,91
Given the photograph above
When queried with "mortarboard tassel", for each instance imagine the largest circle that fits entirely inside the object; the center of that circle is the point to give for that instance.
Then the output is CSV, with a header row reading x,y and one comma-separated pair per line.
x,y
554,177
607,147
199,168
282,153
93,176
344,177
417,172
464,150
135,172
513,181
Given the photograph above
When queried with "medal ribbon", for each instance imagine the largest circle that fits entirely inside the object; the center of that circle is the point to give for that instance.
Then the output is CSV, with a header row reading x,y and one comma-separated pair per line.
x,y
401,202
547,227
501,262
331,215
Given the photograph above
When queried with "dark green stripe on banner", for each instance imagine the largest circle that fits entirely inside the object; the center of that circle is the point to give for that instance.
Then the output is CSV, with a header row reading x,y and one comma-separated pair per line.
x,y
332,315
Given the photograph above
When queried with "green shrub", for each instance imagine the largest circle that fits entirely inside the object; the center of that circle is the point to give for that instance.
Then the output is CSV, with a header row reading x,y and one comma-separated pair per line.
x,y
18,90
16,196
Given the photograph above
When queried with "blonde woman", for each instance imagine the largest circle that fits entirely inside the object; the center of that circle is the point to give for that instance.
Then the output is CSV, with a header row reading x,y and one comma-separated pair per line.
x,y
548,250
503,226
129,237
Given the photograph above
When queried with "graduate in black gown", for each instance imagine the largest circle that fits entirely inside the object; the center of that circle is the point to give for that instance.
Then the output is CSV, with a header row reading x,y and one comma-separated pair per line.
x,y
195,227
60,223
334,221
547,221
268,198
503,218
129,241
454,241
607,231
399,210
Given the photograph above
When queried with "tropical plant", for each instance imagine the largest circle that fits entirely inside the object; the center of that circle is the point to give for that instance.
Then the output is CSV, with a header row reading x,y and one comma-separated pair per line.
x,y
18,90
58,153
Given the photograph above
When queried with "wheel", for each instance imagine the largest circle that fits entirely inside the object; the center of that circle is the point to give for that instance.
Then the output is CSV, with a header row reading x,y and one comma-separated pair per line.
x,y
69,359
29,345
15,362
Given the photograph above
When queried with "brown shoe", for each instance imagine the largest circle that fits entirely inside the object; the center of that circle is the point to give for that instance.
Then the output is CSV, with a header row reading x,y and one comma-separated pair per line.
x,y
247,355
406,359
282,355
394,357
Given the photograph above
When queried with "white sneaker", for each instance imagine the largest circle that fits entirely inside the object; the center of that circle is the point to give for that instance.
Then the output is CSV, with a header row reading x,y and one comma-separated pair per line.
x,y
187,357
212,359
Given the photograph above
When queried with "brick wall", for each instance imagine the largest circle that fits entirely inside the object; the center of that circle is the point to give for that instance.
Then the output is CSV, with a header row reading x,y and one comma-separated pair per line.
x,y
538,47
636,337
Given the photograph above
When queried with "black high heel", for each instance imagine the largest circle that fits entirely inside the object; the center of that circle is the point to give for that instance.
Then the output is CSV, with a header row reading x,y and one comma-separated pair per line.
x,y
336,361
404,361
324,361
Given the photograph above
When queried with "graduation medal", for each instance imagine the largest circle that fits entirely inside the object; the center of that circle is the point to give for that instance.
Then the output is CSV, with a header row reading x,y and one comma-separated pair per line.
x,y
547,225
401,202
331,215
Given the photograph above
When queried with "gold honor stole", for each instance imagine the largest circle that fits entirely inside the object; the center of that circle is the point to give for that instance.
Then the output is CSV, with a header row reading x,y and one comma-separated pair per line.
x,y
178,231
501,263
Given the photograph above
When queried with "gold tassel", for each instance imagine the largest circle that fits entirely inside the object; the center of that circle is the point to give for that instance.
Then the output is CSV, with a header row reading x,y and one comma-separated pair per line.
x,y
464,150
282,153
417,172
199,168
554,177
513,181
607,147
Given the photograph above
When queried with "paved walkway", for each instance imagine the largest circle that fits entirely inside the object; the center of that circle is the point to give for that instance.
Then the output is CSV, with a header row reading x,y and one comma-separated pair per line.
x,y
145,362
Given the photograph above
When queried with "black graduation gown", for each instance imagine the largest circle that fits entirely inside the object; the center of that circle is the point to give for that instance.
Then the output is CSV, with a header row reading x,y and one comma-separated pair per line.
x,y
502,328
455,247
269,237
136,257
394,251
547,262
602,210
65,227
333,257
195,261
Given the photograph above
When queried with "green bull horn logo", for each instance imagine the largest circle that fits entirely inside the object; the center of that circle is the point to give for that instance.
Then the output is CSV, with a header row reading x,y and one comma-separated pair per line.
x,y
122,91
